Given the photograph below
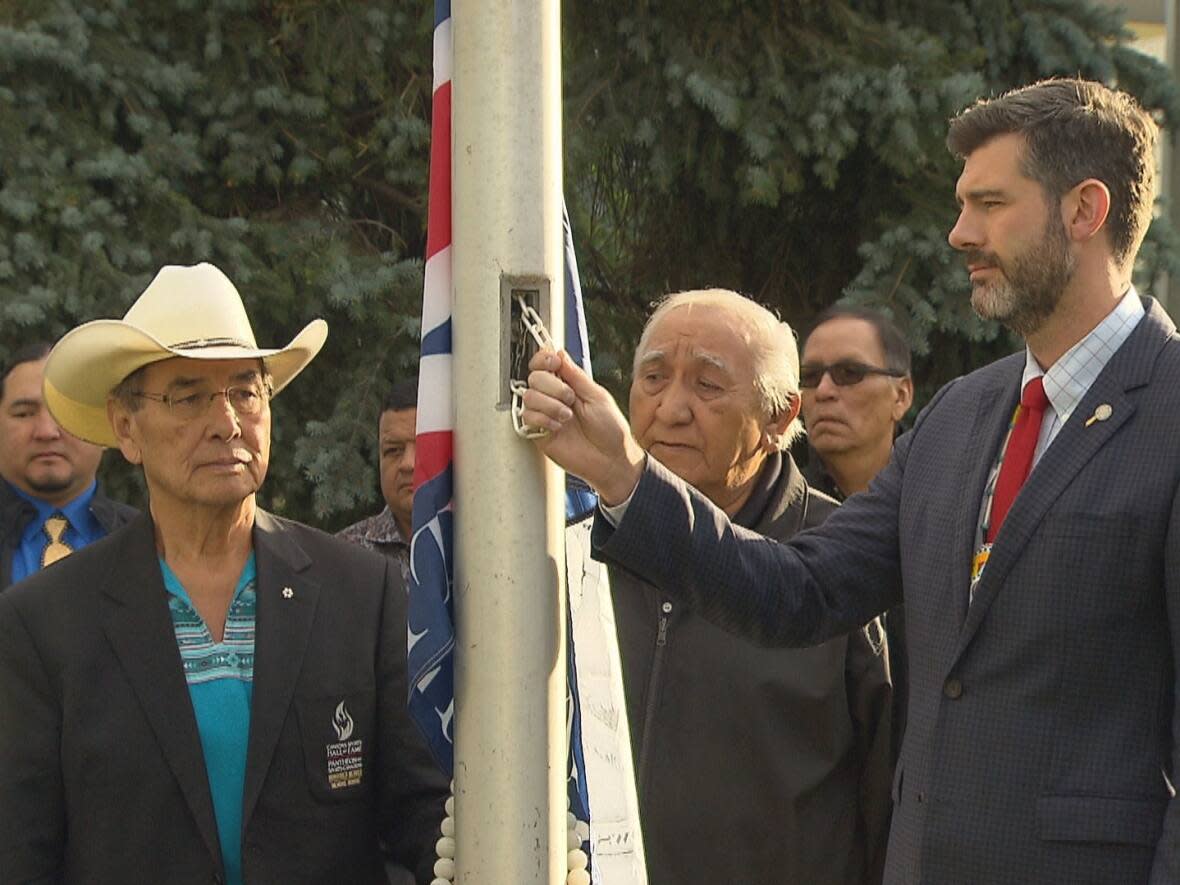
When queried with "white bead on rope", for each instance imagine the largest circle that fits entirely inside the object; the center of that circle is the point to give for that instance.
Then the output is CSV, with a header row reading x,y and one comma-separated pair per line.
x,y
576,861
444,848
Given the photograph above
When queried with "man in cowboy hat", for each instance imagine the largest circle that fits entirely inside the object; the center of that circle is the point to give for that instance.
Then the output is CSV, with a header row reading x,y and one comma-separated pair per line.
x,y
212,693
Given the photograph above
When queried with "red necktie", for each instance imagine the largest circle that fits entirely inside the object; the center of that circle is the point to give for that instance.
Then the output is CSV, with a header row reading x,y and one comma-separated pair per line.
x,y
1019,456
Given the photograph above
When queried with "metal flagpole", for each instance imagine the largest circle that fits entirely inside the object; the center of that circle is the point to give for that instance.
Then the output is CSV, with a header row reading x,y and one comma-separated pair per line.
x,y
510,668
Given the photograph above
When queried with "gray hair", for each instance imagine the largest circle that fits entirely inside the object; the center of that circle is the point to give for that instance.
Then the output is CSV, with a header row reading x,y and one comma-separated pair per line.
x,y
771,341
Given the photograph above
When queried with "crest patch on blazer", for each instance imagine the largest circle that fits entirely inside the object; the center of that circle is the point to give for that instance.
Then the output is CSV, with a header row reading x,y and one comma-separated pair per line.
x,y
345,757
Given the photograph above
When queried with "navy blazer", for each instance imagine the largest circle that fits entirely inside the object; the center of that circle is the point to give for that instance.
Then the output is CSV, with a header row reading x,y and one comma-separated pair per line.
x,y
1043,743
102,778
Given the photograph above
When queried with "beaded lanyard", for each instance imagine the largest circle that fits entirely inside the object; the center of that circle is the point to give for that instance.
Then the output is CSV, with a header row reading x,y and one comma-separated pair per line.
x,y
979,560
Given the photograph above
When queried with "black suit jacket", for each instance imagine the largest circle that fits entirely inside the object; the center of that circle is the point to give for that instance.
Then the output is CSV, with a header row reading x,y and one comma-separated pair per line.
x,y
16,512
1043,742
102,778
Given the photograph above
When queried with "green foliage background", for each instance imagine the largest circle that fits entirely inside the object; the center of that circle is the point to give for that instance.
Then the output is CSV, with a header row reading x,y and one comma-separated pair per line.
x,y
791,149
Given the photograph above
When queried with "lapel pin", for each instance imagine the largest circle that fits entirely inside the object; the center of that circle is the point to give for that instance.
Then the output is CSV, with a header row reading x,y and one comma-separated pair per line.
x,y
1101,413
288,593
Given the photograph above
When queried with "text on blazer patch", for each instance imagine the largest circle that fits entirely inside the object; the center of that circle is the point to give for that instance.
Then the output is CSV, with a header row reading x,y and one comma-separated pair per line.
x,y
346,758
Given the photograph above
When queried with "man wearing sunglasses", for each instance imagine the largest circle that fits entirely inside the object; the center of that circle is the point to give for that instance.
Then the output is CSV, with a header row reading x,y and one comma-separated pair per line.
x,y
855,387
1030,521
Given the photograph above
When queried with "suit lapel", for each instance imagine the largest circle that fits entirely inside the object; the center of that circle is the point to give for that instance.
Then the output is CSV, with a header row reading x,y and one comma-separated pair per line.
x,y
138,625
992,416
15,514
1072,448
282,629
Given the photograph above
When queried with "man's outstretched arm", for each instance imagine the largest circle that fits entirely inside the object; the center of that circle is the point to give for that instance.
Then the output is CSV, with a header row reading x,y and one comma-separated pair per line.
x,y
825,582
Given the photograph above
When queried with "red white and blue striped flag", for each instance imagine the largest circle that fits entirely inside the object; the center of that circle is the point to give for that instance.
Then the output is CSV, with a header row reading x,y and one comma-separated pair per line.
x,y
431,634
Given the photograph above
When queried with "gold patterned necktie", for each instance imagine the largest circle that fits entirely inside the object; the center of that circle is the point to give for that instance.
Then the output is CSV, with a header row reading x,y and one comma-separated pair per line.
x,y
55,548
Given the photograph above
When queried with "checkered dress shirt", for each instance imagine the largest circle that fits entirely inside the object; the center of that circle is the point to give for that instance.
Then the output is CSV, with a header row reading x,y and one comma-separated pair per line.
x,y
1069,379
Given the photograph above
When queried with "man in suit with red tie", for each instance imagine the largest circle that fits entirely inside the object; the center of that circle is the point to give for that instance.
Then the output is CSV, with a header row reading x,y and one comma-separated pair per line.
x,y
50,504
1030,521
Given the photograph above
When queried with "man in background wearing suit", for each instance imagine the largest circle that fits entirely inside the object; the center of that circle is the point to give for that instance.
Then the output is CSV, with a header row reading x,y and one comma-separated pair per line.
x,y
1037,548
50,504
211,693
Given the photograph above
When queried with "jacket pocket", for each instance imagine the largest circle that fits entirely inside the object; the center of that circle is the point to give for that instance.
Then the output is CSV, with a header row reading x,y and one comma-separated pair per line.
x,y
337,732
1100,819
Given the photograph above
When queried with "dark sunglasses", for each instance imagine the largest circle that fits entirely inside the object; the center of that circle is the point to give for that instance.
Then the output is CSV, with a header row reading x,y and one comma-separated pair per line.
x,y
844,374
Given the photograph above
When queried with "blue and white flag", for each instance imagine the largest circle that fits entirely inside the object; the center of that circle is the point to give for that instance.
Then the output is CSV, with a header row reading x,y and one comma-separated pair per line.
x,y
431,633
430,623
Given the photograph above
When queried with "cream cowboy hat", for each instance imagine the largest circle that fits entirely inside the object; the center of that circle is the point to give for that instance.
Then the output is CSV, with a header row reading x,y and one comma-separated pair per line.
x,y
193,312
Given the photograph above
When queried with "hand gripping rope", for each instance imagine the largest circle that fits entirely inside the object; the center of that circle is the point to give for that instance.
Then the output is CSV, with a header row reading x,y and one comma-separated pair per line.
x,y
535,326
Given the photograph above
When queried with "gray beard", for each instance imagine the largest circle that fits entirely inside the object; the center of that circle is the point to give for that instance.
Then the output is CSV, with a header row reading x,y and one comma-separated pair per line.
x,y
1032,286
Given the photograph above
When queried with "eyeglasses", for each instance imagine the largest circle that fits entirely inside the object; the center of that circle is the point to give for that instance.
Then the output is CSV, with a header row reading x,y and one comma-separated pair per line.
x,y
246,400
844,374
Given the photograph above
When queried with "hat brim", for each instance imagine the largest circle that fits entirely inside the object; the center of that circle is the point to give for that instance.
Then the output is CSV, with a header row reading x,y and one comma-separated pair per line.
x,y
91,360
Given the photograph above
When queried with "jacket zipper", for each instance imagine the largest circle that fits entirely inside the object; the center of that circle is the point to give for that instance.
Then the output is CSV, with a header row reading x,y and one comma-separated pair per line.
x,y
649,713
